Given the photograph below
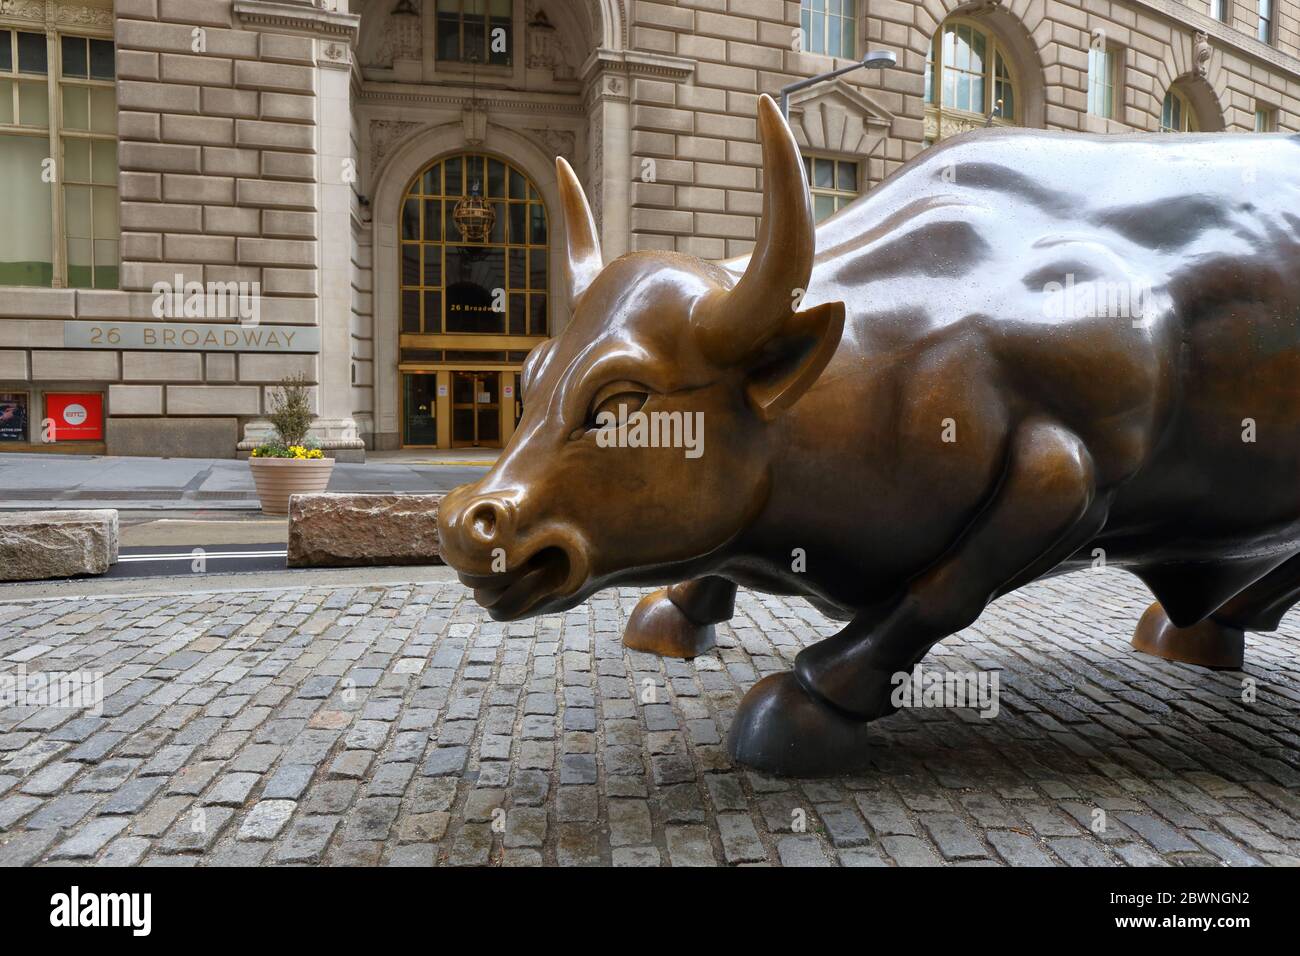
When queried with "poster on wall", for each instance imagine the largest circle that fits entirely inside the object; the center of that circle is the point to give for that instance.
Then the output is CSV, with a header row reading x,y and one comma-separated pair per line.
x,y
13,416
75,416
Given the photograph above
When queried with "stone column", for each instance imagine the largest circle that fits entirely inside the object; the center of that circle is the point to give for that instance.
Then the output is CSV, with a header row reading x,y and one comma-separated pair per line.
x,y
609,162
609,75
333,32
337,174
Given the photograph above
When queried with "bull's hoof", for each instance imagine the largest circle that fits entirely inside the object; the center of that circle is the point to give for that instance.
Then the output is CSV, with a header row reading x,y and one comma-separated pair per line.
x,y
780,729
658,626
1209,643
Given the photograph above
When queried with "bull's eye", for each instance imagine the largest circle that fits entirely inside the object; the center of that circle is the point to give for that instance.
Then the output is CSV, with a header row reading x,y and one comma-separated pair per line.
x,y
619,399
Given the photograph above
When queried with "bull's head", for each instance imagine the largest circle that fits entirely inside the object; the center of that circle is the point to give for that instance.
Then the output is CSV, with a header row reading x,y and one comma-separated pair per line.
x,y
568,509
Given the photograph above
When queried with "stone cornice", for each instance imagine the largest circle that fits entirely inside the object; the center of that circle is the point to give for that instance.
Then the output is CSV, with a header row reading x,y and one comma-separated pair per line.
x,y
297,18
1222,35
394,94
637,63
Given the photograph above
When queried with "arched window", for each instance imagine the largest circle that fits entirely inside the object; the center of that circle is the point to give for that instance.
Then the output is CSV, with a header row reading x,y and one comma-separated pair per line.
x,y
1177,115
474,250
968,75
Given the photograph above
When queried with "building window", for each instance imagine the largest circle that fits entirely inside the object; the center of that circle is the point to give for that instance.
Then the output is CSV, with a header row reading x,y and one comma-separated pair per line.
x,y
830,27
71,242
474,31
1265,119
968,77
1266,21
482,274
833,183
1103,67
1219,10
1177,115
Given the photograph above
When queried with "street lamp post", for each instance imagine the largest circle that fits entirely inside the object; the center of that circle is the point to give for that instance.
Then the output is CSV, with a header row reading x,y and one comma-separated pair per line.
x,y
878,60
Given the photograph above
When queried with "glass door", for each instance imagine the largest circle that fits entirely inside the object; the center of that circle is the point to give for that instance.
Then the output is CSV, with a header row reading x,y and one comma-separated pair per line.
x,y
420,410
475,409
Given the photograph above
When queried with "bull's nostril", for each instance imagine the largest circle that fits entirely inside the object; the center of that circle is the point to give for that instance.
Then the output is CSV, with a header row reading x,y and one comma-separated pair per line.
x,y
484,522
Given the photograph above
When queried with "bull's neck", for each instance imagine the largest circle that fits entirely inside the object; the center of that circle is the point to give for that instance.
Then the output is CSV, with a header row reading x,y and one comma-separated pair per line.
x,y
816,476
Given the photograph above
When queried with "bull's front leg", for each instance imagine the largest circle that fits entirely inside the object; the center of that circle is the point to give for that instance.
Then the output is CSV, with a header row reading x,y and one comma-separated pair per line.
x,y
678,621
812,721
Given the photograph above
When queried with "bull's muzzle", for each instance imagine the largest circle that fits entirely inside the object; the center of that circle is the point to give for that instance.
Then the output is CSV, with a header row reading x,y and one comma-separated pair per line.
x,y
512,574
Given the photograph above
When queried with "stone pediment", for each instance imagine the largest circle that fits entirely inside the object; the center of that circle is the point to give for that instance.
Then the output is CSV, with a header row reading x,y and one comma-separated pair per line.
x,y
839,118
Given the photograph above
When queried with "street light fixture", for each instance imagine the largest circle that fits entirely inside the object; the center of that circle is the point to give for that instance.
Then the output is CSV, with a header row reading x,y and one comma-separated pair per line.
x,y
876,60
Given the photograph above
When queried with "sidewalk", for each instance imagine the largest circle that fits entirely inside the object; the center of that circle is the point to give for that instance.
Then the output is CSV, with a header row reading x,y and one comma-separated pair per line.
x,y
29,482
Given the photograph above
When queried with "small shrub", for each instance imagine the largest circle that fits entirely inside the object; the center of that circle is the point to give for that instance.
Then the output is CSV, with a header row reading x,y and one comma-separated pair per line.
x,y
291,417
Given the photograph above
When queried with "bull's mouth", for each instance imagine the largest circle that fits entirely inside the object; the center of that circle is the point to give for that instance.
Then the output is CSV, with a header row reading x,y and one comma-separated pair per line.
x,y
513,594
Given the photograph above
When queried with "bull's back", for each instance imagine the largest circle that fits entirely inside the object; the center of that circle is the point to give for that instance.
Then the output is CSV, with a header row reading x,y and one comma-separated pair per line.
x,y
971,242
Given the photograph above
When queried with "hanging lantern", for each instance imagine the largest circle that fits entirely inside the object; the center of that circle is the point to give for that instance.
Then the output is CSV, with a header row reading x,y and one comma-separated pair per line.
x,y
473,216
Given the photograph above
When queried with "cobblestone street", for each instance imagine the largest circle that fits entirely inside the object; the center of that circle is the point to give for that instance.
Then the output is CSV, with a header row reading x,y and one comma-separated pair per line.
x,y
399,725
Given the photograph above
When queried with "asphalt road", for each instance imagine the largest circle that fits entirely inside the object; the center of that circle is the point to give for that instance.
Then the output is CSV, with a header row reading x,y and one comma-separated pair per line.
x,y
197,560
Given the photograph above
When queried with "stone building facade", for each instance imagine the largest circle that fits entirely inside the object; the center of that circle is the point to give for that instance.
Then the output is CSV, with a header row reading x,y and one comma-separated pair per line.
x,y
209,196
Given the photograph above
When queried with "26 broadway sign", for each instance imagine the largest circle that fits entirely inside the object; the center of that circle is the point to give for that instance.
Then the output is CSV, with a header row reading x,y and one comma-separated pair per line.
x,y
190,336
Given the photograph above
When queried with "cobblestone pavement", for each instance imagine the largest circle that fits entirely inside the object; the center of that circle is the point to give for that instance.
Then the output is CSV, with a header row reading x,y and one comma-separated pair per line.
x,y
398,725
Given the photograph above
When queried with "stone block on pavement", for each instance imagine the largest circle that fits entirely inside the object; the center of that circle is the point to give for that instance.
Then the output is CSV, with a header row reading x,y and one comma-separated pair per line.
x,y
42,545
343,530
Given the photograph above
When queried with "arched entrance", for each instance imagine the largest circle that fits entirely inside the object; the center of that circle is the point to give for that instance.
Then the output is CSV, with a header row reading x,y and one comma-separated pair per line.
x,y
474,298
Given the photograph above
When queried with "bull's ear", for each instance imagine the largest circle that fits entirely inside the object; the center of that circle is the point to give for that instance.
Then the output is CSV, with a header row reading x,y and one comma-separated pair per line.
x,y
582,245
794,357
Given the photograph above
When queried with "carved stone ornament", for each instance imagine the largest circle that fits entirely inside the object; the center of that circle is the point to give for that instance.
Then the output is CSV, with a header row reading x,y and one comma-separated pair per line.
x,y
545,47
334,52
474,119
59,14
23,9
384,135
403,37
554,142
1201,52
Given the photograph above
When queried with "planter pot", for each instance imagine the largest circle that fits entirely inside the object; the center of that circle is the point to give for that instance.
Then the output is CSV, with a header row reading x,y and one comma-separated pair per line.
x,y
278,478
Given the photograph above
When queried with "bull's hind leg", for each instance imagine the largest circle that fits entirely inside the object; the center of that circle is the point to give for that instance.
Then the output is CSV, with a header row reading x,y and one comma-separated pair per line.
x,y
678,621
812,722
1219,640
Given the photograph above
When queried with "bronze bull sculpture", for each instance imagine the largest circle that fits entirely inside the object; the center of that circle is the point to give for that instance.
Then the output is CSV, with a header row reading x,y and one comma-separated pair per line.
x,y
914,410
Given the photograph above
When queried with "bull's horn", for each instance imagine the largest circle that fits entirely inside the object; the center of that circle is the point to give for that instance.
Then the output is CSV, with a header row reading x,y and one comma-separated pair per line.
x,y
734,324
582,261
